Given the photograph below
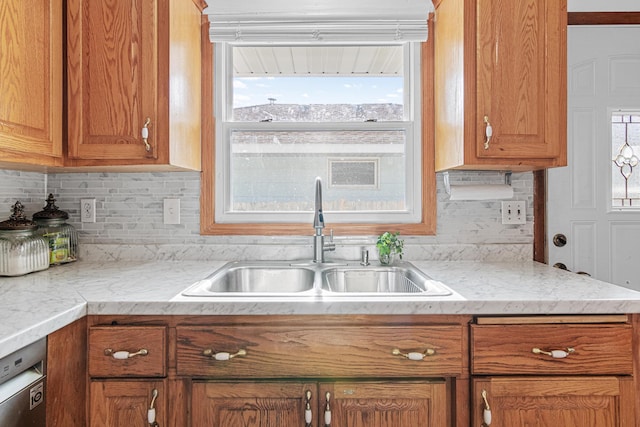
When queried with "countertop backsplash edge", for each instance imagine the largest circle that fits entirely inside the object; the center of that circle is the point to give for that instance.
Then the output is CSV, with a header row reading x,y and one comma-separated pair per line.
x,y
511,252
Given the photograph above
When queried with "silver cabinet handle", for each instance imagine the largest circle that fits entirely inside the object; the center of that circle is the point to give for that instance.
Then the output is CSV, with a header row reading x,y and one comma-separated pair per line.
x,y
488,132
122,354
145,134
556,354
223,355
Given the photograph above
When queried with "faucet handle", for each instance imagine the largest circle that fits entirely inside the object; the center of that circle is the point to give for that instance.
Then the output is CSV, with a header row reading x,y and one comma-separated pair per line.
x,y
330,245
364,257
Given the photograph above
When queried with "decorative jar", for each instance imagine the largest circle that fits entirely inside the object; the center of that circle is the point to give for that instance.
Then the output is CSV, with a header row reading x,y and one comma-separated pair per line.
x,y
22,250
61,237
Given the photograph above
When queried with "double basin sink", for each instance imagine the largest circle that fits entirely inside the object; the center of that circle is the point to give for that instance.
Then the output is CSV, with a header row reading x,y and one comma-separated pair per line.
x,y
298,279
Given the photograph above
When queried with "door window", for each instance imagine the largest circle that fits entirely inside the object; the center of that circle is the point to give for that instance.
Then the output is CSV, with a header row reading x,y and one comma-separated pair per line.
x,y
625,138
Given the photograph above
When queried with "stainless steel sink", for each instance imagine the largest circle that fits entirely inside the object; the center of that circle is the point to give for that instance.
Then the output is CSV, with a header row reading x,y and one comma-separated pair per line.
x,y
291,279
255,279
393,280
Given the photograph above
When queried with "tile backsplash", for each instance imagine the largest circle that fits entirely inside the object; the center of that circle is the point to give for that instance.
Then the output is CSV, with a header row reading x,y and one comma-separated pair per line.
x,y
129,215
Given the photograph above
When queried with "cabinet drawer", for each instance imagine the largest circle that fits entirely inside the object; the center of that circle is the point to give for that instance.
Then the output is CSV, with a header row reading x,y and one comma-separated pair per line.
x,y
294,352
105,341
509,349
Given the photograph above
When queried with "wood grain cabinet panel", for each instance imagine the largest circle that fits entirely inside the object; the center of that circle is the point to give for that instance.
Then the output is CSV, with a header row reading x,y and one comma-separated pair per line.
x,y
117,403
555,401
385,404
509,349
506,61
134,65
262,404
520,381
31,82
148,343
353,404
330,352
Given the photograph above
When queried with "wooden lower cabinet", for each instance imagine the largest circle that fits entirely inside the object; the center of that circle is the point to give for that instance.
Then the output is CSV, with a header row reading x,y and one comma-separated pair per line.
x,y
555,401
310,404
385,404
116,403
251,404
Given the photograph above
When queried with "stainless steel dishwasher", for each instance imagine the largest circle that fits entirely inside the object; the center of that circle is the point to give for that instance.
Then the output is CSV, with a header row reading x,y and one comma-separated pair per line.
x,y
22,386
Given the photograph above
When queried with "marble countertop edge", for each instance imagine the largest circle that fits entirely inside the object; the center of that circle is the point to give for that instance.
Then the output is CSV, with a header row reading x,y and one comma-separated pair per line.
x,y
38,304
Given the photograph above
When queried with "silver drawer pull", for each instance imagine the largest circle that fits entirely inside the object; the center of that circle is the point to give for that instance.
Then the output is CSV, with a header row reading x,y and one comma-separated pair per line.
x,y
223,355
414,355
122,354
556,354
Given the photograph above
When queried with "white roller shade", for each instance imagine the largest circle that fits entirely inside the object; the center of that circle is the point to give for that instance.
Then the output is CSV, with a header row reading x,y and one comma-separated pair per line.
x,y
318,21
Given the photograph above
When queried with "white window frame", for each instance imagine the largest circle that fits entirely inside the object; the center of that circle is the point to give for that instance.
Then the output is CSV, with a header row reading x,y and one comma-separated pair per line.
x,y
411,125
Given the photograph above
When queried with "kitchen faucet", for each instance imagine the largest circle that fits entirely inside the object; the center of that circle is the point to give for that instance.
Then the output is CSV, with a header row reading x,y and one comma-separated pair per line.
x,y
319,245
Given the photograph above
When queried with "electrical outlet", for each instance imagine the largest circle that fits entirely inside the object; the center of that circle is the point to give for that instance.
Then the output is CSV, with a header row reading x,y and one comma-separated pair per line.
x,y
87,210
172,211
514,212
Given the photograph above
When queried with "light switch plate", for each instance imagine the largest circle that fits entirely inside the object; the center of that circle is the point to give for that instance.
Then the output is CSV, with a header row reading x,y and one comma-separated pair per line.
x,y
172,211
514,212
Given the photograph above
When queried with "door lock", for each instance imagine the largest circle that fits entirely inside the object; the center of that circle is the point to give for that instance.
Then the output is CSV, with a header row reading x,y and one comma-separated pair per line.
x,y
559,240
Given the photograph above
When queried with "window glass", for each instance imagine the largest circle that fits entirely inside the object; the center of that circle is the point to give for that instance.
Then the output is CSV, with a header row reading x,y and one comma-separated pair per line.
x,y
625,178
343,113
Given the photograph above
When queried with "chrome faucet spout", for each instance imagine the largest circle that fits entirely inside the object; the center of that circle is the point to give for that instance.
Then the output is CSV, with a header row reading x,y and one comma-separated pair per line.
x,y
318,218
319,245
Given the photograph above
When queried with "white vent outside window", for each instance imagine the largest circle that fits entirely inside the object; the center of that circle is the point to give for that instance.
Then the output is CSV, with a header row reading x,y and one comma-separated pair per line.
x,y
354,173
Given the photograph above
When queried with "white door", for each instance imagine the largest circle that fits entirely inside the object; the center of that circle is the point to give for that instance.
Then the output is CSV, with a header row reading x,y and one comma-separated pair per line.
x,y
601,236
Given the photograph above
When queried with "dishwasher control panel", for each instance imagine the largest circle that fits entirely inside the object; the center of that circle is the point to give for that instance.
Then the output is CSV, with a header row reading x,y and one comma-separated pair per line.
x,y
31,356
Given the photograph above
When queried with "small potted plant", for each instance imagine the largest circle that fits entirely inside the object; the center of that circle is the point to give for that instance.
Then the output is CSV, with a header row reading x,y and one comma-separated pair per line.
x,y
389,247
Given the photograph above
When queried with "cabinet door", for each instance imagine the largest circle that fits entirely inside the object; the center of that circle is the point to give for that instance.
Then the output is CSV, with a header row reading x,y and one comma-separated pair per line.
x,y
112,78
31,81
555,401
116,403
251,404
384,404
521,78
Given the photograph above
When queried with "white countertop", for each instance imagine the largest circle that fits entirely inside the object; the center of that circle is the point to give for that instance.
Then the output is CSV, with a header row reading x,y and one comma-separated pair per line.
x,y
37,304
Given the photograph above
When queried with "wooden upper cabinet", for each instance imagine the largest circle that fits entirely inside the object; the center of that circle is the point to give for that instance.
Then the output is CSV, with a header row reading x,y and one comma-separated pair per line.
x,y
134,65
501,63
31,82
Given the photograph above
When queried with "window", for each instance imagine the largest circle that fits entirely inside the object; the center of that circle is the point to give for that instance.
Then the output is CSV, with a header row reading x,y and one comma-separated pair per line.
x,y
625,138
269,146
289,113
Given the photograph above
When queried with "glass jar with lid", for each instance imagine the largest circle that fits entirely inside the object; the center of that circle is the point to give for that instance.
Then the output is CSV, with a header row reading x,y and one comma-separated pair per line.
x,y
62,237
22,250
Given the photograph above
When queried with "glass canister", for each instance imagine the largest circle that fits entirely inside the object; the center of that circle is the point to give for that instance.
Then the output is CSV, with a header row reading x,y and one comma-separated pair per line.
x,y
62,237
22,250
